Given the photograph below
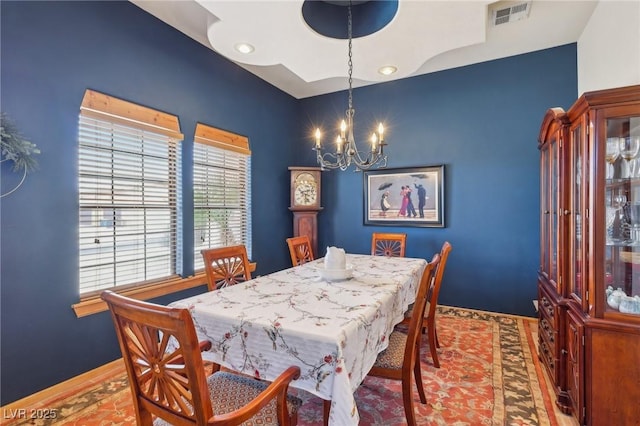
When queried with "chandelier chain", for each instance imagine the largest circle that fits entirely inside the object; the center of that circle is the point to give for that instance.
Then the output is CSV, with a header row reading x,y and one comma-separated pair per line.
x,y
349,33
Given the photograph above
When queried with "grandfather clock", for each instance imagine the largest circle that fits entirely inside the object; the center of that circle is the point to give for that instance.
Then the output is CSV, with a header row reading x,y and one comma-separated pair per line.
x,y
305,202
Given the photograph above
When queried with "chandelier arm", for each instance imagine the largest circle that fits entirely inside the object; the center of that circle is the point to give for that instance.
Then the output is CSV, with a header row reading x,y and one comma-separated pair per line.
x,y
343,160
328,160
354,152
369,161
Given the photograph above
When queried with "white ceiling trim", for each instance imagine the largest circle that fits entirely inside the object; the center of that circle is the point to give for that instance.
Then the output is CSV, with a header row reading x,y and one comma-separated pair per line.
x,y
424,36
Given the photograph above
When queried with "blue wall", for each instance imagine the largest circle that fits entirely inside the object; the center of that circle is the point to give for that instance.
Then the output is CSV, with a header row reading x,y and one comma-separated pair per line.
x,y
51,53
480,121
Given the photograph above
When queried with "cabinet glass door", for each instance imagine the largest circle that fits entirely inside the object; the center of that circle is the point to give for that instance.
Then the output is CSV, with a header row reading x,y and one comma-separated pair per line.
x,y
544,216
577,234
622,215
554,198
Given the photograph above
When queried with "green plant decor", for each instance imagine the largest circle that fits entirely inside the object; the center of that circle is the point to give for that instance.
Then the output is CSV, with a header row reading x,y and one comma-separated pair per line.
x,y
14,147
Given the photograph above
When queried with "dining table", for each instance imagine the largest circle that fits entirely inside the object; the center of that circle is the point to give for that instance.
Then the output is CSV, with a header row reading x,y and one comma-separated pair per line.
x,y
332,329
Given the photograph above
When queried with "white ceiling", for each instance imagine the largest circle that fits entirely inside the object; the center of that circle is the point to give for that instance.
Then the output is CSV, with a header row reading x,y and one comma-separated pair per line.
x,y
423,37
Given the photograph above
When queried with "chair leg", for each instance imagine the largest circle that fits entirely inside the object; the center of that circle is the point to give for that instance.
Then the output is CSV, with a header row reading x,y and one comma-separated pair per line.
x,y
326,407
417,373
432,344
407,399
437,341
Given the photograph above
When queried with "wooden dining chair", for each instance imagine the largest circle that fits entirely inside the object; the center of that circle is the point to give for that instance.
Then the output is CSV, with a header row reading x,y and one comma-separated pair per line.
x,y
402,356
167,377
429,318
388,244
300,250
226,266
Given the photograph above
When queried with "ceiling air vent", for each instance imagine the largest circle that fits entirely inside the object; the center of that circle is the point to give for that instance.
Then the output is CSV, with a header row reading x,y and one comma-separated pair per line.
x,y
503,14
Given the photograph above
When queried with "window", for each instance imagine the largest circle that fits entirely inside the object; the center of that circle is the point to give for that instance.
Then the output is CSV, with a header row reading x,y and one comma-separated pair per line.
x,y
129,194
221,190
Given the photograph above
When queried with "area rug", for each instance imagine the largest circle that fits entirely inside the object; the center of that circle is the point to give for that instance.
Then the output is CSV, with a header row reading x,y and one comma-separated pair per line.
x,y
489,375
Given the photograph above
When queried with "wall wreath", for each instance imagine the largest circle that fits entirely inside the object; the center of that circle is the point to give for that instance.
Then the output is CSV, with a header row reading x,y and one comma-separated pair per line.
x,y
15,148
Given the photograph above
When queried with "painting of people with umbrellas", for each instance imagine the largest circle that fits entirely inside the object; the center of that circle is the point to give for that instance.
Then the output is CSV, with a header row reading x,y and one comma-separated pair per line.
x,y
404,196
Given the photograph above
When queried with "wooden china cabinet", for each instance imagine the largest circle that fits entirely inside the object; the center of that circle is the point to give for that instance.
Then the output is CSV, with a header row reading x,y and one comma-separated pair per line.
x,y
589,276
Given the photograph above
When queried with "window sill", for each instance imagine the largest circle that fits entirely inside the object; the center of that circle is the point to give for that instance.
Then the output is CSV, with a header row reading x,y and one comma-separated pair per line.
x,y
96,305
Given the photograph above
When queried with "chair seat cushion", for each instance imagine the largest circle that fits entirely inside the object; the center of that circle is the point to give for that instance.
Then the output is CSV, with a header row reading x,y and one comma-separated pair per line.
x,y
231,391
393,357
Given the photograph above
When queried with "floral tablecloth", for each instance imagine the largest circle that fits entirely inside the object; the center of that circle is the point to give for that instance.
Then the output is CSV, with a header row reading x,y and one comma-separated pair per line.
x,y
332,330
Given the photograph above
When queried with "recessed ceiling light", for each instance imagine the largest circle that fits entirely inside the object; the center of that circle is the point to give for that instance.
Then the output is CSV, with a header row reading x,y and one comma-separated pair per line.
x,y
244,48
387,70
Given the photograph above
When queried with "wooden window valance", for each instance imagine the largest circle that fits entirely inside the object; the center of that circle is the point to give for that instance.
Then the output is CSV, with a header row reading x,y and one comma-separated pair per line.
x,y
221,139
106,107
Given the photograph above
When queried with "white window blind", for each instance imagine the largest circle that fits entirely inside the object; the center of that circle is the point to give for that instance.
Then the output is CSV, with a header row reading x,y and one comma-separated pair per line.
x,y
221,191
129,195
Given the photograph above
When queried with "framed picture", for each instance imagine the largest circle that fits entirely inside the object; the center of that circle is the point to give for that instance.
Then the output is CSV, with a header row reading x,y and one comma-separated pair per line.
x,y
411,196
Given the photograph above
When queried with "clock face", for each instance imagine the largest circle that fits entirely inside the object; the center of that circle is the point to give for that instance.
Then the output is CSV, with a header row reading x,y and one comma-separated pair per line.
x,y
305,191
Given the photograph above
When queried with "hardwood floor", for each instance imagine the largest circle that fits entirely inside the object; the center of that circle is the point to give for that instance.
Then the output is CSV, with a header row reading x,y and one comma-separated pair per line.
x,y
46,397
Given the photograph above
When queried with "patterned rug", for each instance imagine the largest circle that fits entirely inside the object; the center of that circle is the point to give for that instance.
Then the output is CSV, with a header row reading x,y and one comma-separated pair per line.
x,y
489,375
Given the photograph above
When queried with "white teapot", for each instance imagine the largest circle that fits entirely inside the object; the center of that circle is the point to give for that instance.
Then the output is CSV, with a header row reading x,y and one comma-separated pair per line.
x,y
335,258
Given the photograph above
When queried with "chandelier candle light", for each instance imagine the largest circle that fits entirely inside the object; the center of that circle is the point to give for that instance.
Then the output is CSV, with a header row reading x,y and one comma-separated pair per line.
x,y
346,149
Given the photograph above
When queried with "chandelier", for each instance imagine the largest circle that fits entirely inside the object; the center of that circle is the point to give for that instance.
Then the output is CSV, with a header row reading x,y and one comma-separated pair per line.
x,y
346,152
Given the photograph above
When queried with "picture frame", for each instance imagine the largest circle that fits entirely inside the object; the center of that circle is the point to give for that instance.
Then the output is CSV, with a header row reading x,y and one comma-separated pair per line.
x,y
387,201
